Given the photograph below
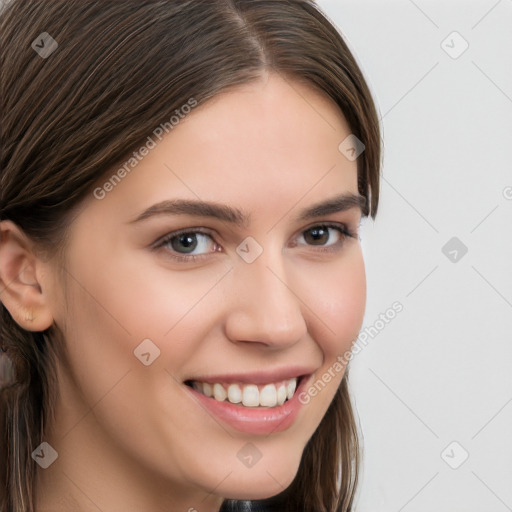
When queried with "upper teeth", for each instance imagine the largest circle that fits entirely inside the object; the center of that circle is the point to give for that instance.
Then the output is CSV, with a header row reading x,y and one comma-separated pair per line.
x,y
250,395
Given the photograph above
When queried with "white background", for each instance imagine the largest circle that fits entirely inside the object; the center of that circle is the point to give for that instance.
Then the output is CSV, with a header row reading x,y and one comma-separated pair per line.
x,y
441,370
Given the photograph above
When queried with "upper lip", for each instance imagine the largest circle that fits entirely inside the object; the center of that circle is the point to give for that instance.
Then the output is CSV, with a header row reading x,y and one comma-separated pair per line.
x,y
258,377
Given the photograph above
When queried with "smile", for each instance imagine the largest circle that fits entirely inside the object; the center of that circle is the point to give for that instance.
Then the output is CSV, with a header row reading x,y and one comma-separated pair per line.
x,y
256,405
248,395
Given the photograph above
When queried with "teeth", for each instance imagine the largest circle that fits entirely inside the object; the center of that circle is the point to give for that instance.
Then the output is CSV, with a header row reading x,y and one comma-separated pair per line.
x,y
234,394
249,395
292,385
207,389
282,394
268,396
219,393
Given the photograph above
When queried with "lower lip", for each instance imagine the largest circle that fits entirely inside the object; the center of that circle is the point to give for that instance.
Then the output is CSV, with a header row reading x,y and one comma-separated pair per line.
x,y
259,421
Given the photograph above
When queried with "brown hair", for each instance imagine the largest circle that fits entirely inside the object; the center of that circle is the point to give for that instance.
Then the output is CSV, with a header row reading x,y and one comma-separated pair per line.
x,y
120,69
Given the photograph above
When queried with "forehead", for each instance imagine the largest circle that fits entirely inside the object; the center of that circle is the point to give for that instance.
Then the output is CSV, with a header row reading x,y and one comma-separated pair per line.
x,y
265,144
271,120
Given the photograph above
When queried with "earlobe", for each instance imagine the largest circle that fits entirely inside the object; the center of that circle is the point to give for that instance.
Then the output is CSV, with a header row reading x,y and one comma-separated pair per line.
x,y
21,292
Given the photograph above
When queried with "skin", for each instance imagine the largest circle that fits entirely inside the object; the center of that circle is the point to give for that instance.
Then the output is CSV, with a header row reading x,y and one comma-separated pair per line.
x,y
129,436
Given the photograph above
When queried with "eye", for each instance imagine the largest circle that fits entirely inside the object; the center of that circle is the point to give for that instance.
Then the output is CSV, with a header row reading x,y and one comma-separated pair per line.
x,y
190,245
320,234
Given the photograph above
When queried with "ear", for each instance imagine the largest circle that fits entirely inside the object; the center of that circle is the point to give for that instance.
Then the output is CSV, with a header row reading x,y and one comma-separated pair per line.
x,y
21,280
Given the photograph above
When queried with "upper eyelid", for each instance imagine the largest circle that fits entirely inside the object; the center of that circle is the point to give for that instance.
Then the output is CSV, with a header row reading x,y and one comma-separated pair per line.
x,y
207,231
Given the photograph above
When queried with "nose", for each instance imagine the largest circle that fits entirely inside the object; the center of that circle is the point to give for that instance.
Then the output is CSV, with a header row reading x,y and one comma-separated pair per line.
x,y
264,306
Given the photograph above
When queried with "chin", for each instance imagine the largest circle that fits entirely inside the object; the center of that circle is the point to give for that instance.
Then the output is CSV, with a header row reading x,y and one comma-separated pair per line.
x,y
258,484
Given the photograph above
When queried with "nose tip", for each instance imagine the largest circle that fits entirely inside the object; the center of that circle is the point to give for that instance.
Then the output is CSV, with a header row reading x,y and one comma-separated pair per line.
x,y
266,309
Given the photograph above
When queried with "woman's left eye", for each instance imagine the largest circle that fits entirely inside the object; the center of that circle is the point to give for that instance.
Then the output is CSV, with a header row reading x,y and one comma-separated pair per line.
x,y
320,233
190,245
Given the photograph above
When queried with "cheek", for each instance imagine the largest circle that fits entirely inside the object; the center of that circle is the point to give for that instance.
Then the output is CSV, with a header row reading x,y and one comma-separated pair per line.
x,y
114,304
149,298
338,304
338,301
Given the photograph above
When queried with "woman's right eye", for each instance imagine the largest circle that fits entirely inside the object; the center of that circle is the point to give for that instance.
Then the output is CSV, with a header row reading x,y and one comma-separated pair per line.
x,y
184,243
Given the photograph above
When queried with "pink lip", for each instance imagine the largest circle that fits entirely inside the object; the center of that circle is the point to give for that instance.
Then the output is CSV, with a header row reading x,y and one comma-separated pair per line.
x,y
259,377
258,421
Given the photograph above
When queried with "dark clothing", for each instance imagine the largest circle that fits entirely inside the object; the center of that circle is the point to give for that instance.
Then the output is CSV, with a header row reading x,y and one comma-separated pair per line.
x,y
250,506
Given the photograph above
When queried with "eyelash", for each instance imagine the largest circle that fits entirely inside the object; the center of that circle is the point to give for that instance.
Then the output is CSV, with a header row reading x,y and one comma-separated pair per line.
x,y
341,228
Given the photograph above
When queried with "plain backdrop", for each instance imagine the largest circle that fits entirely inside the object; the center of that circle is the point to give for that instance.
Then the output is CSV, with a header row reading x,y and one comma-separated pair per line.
x,y
433,385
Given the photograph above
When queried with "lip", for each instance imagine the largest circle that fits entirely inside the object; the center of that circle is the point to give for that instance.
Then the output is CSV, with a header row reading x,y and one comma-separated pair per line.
x,y
256,421
259,377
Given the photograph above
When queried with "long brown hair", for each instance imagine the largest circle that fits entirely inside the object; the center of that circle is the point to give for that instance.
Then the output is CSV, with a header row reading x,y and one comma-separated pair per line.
x,y
120,69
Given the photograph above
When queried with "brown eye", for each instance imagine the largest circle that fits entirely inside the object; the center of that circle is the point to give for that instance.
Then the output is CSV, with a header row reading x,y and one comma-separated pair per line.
x,y
318,235
321,235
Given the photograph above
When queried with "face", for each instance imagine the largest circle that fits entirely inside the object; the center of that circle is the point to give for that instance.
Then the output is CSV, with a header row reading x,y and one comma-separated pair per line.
x,y
166,304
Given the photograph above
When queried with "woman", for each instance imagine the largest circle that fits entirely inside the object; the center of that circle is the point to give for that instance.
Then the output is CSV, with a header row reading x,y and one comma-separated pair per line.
x,y
181,278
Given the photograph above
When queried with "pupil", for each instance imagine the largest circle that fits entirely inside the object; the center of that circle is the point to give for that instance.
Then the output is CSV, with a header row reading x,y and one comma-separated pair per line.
x,y
317,234
187,240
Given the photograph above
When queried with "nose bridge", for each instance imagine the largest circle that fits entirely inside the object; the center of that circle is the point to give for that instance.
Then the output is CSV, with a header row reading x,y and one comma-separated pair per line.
x,y
267,308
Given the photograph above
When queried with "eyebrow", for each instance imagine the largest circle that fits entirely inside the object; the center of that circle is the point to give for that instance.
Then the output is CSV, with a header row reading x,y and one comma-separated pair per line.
x,y
238,218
